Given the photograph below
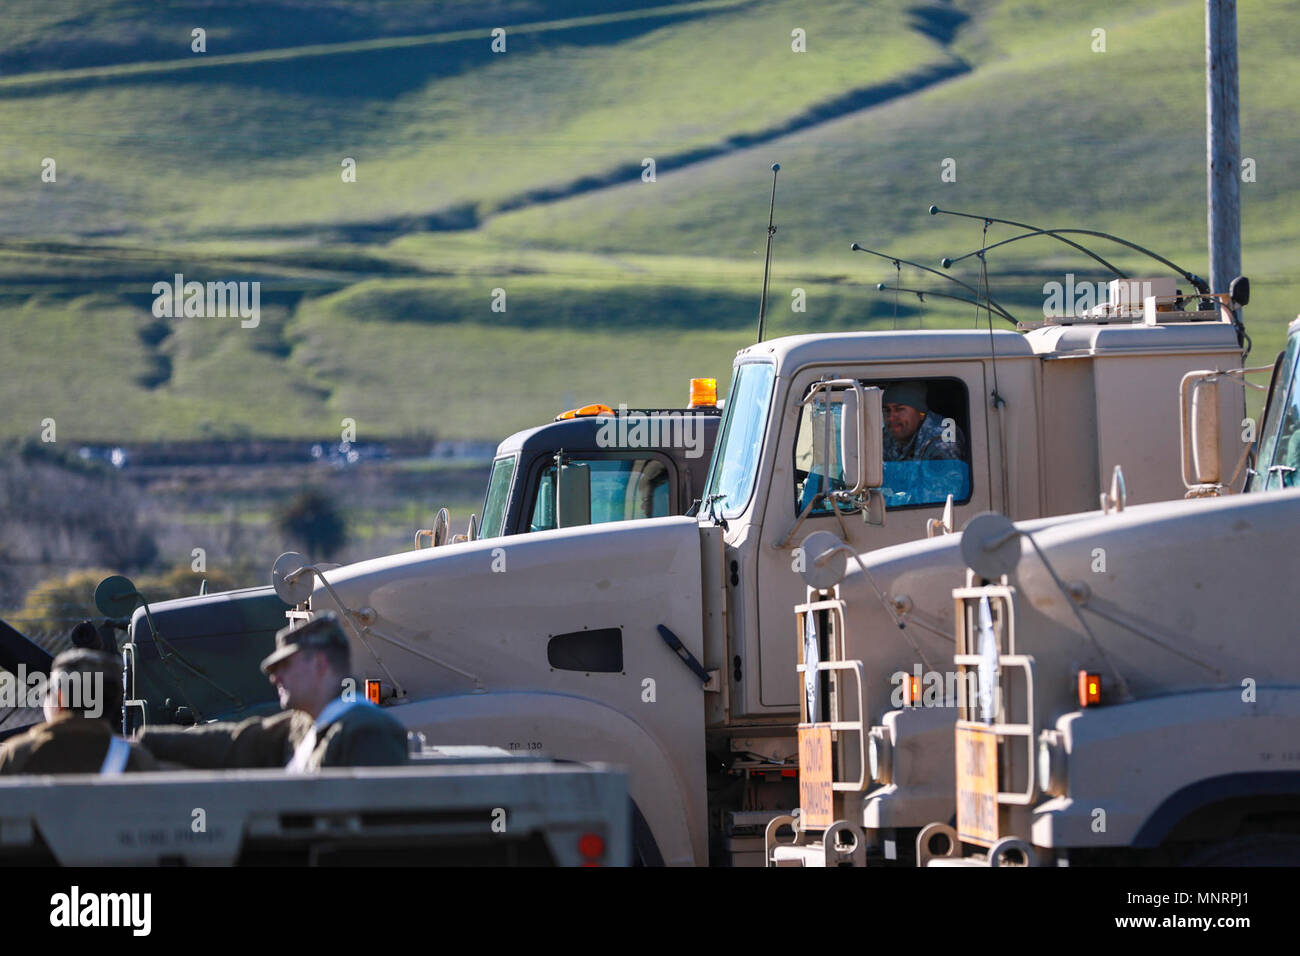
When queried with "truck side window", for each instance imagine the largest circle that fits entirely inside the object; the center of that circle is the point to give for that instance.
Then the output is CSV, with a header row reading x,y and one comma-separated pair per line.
x,y
926,451
621,489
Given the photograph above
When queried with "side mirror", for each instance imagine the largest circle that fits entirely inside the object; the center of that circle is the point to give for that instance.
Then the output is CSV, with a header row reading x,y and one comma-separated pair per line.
x,y
861,428
116,597
472,534
1199,405
1239,291
572,496
441,527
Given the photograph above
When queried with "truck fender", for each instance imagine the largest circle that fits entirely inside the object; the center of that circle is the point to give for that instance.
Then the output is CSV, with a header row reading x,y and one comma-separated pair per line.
x,y
1215,790
1134,770
572,728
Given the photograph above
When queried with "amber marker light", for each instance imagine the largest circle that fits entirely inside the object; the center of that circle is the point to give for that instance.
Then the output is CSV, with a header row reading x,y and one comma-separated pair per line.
x,y
586,411
372,691
1089,689
704,393
912,691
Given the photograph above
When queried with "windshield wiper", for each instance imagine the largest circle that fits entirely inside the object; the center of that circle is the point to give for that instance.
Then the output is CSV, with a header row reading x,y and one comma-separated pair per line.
x,y
711,503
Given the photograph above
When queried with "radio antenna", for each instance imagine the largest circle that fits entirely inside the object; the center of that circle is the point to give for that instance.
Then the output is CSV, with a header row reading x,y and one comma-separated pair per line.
x,y
1200,284
1054,233
922,293
994,306
767,262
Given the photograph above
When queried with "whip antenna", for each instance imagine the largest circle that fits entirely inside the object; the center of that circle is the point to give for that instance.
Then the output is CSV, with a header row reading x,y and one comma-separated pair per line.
x,y
994,307
1053,233
767,262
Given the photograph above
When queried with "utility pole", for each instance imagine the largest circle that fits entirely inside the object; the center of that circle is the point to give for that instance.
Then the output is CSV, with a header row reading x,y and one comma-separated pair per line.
x,y
1222,142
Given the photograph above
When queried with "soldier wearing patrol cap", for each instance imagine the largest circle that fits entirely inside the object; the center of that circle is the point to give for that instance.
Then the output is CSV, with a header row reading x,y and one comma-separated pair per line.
x,y
318,727
83,699
912,433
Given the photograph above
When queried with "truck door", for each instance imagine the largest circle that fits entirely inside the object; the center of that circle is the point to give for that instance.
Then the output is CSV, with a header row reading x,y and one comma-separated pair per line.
x,y
930,452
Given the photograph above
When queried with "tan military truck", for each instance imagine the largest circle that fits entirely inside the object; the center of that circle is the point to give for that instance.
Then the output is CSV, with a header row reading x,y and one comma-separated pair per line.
x,y
1147,711
880,781
664,645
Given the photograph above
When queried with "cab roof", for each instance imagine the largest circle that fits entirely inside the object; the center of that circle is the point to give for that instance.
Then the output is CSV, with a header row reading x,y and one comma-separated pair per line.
x,y
793,351
582,432
798,350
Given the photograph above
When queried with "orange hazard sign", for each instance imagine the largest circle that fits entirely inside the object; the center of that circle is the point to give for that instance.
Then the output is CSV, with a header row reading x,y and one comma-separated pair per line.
x,y
816,806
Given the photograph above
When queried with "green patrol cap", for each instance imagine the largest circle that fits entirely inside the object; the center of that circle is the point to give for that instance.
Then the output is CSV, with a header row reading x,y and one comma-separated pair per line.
x,y
320,632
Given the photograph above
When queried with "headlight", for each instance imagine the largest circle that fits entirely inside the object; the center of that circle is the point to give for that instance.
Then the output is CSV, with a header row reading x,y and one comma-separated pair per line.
x,y
880,755
1051,763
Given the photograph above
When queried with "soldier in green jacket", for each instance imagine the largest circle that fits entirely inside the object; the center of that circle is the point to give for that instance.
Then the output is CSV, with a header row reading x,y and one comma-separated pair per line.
x,y
83,699
317,728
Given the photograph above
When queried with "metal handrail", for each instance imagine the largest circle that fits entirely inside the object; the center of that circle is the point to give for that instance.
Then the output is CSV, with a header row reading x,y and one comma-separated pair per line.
x,y
852,725
1028,730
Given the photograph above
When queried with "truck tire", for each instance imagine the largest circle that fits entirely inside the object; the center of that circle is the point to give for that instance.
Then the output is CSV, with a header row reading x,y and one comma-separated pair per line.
x,y
1260,849
645,851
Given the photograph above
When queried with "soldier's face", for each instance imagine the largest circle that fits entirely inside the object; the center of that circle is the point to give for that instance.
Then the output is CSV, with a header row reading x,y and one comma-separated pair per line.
x,y
902,421
295,679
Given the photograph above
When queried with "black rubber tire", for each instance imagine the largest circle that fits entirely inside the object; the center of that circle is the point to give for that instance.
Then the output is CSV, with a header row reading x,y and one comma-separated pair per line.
x,y
645,851
1259,849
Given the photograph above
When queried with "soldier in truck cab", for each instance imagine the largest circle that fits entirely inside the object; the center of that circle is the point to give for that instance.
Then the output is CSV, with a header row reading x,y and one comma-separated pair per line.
x,y
925,454
319,727
912,433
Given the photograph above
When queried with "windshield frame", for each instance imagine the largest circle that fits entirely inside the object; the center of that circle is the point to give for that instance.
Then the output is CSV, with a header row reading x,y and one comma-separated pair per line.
x,y
727,508
513,459
1279,406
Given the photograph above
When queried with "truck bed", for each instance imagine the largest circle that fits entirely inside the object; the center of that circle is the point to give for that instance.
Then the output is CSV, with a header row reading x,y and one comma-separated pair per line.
x,y
474,806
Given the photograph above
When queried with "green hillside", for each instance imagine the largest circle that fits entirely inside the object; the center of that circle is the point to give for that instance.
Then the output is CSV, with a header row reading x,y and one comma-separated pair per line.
x,y
522,171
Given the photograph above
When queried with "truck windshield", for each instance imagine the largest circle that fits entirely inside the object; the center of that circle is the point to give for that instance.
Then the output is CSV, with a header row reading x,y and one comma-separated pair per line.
x,y
735,462
494,506
1279,446
622,489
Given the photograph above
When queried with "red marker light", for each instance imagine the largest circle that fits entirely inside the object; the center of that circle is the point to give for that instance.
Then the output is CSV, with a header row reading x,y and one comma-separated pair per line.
x,y
591,846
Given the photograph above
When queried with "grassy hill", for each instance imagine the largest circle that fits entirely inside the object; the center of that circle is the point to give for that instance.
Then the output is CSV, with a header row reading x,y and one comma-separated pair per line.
x,y
522,171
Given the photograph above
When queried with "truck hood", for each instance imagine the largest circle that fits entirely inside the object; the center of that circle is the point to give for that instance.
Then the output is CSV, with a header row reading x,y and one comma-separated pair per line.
x,y
1179,594
917,579
481,615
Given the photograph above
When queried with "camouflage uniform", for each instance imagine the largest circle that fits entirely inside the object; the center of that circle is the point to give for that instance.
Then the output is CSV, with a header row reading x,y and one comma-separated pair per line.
x,y
926,469
69,743
927,443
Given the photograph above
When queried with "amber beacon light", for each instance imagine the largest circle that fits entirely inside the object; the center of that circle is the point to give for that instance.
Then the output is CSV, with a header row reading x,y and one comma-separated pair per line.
x,y
704,393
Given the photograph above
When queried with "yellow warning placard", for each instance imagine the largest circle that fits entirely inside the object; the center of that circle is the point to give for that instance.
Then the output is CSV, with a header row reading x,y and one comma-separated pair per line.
x,y
816,806
977,783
